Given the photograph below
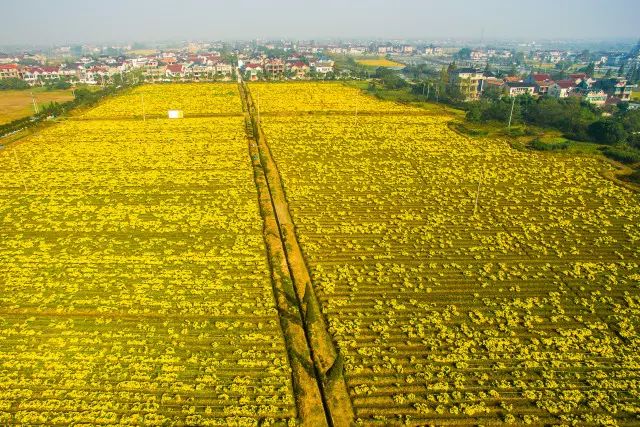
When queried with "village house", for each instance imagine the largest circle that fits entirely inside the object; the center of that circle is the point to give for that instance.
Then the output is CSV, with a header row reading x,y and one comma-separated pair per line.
x,y
518,88
299,68
541,81
592,96
407,49
578,78
478,55
492,82
561,88
323,66
199,71
223,68
253,71
155,73
9,71
175,71
40,75
357,50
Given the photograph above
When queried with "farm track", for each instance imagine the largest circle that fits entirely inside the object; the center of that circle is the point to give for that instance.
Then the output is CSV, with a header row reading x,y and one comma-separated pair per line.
x,y
326,361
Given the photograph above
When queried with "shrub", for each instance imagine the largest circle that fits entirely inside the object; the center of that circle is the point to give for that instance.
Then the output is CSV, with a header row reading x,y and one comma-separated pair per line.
x,y
536,144
607,131
624,155
13,84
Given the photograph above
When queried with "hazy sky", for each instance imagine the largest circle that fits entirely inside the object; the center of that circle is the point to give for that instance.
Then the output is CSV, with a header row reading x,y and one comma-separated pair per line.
x,y
67,21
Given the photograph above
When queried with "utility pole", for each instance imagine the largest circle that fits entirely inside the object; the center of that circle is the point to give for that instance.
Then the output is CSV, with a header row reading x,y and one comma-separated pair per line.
x,y
144,116
24,183
513,103
35,104
475,208
356,112
258,106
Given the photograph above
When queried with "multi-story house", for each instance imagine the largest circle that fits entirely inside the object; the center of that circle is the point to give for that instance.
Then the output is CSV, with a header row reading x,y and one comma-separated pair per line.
x,y
468,81
274,66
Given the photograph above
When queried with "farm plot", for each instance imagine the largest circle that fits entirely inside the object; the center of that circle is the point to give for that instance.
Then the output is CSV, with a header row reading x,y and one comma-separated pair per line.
x,y
525,309
379,62
134,284
325,97
155,100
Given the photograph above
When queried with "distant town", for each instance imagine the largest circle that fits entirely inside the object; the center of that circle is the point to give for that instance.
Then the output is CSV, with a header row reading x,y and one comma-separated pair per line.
x,y
600,77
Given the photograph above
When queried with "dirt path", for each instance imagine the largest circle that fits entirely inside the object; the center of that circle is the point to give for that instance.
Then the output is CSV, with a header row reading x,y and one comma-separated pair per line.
x,y
287,257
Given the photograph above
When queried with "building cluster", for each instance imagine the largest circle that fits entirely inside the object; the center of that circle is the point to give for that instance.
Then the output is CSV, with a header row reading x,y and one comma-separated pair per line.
x,y
293,66
164,66
190,67
471,83
40,74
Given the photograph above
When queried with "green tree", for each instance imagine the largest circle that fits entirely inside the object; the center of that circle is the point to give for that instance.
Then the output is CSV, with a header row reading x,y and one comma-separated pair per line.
x,y
607,131
464,53
590,69
621,69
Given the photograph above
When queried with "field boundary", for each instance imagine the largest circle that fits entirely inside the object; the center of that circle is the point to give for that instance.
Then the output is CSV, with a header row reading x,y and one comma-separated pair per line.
x,y
327,361
152,117
307,394
346,113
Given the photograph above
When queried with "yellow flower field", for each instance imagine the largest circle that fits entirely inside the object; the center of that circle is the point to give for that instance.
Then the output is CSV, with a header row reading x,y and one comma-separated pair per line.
x,y
463,282
380,62
156,100
523,310
134,285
